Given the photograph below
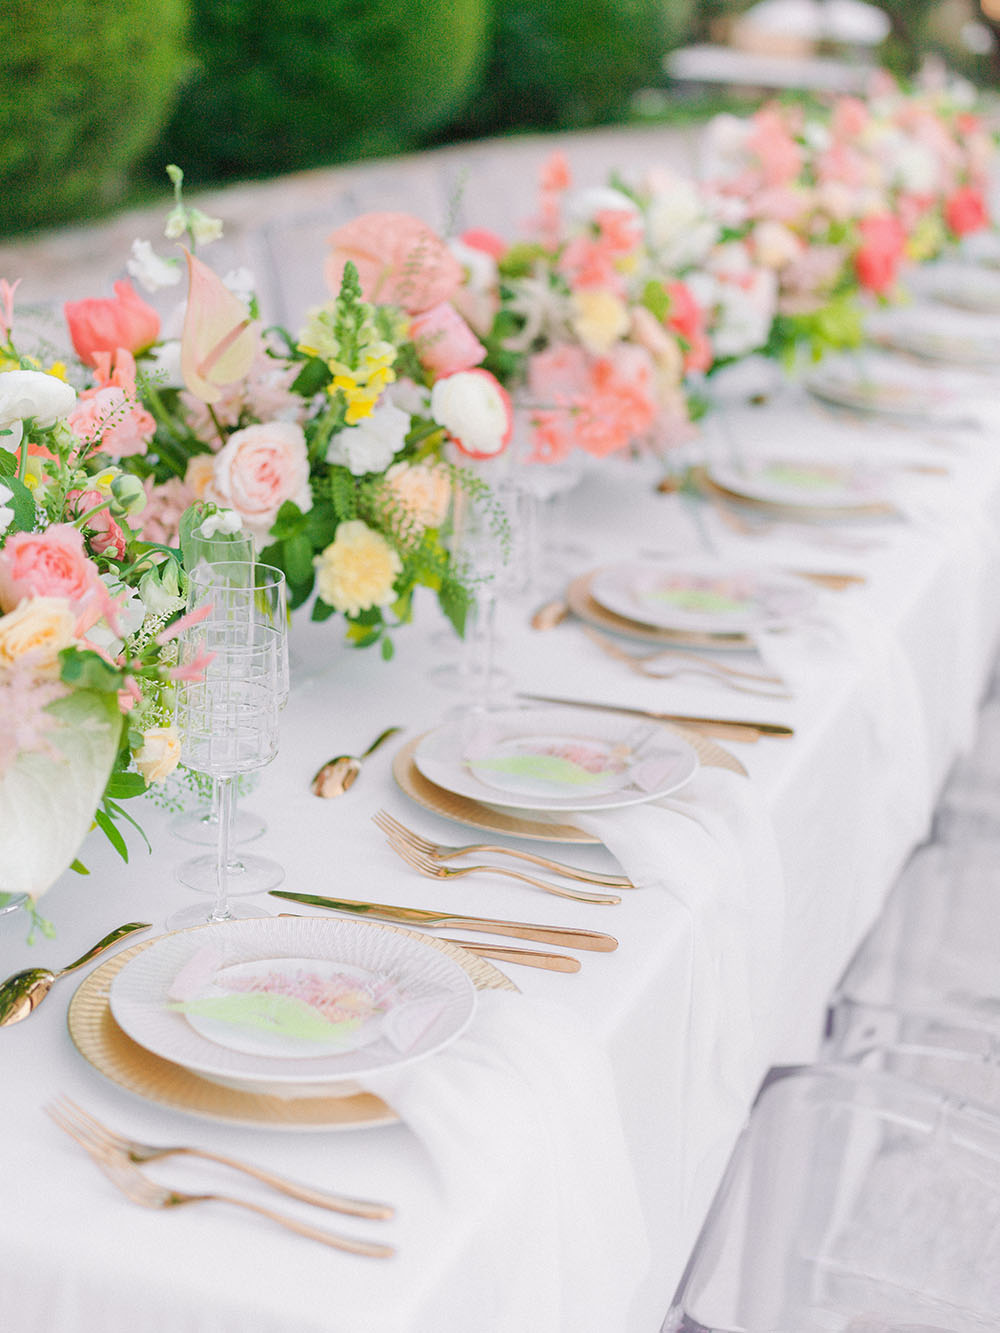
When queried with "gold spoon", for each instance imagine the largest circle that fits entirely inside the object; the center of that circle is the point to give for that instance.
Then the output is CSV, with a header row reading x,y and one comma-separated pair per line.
x,y
26,990
336,775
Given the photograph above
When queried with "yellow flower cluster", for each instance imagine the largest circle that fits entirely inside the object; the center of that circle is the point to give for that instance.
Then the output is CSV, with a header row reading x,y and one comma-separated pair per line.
x,y
362,387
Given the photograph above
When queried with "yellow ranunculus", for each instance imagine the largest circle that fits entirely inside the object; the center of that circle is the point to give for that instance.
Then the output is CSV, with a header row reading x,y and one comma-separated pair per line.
x,y
599,319
41,627
357,570
159,753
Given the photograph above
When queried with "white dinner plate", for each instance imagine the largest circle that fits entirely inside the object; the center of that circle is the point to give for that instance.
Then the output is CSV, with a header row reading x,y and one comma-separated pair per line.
x,y
284,1004
706,596
536,759
806,483
953,346
875,387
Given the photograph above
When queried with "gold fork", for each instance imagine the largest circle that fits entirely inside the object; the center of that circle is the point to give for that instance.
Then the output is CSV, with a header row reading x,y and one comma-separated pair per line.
x,y
434,870
127,1177
685,661
439,851
100,1136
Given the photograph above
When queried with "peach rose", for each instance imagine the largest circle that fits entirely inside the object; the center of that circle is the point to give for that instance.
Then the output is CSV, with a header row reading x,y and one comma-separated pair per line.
x,y
258,469
400,261
444,341
52,563
159,753
421,490
38,629
200,474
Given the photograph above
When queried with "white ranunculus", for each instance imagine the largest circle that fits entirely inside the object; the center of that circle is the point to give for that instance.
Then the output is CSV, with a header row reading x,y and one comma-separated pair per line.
x,y
151,270
475,411
32,393
373,443
723,146
676,224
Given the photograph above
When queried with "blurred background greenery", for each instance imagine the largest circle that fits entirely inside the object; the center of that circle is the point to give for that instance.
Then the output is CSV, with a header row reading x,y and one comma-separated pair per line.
x,y
97,95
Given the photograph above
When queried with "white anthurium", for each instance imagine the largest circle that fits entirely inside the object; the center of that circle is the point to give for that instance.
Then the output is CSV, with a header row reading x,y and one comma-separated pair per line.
x,y
33,393
47,801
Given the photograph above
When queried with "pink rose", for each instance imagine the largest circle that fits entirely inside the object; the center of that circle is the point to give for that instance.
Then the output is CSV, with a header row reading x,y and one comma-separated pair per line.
x,y
481,238
444,341
400,261
880,253
124,320
258,469
106,537
965,211
52,563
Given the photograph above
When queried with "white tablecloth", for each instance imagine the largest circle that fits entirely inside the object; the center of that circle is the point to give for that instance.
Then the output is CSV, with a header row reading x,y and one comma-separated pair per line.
x,y
886,681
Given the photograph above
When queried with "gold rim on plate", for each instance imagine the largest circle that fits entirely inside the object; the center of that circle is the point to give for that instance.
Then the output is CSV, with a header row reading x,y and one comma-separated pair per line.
x,y
479,815
785,509
583,604
103,1044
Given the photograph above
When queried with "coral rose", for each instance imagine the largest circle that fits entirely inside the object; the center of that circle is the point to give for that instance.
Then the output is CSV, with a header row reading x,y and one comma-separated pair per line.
x,y
880,254
258,469
965,211
37,631
124,320
400,261
357,570
159,753
52,563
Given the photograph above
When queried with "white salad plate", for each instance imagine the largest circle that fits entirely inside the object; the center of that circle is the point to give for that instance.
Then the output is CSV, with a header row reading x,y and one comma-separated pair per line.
x,y
805,483
535,759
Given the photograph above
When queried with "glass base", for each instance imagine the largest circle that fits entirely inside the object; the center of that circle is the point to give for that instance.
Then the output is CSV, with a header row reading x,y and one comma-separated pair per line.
x,y
247,874
200,914
12,902
200,827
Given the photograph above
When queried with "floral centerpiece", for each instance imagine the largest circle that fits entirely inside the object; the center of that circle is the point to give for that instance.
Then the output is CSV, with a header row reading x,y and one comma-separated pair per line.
x,y
334,448
88,618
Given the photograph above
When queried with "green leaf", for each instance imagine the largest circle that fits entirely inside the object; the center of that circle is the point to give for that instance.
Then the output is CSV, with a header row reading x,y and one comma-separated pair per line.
x,y
455,601
23,504
79,867
88,670
8,462
387,648
121,786
322,610
297,558
289,521
656,299
117,812
106,824
314,376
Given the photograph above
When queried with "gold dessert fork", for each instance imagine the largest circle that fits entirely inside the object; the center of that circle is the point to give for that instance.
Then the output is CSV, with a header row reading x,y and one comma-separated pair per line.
x,y
439,851
127,1177
435,870
88,1130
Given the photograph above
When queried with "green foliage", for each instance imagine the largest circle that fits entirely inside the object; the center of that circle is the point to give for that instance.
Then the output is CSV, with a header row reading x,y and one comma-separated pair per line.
x,y
567,63
280,87
85,86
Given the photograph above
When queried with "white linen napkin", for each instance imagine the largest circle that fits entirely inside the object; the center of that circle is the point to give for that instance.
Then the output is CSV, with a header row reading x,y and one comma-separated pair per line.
x,y
711,846
522,1108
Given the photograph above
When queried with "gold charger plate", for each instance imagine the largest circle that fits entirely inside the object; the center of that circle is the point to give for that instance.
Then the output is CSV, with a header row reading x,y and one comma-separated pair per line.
x,y
479,815
102,1043
800,513
582,604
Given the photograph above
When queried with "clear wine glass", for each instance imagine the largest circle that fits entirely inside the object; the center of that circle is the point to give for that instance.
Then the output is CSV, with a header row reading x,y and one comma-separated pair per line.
x,y
228,717
201,826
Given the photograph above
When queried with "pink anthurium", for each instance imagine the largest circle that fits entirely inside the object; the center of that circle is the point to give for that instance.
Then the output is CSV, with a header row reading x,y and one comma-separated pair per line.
x,y
220,338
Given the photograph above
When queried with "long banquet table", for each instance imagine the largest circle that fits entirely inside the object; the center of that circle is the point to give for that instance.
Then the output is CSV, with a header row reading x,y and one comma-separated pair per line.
x,y
887,677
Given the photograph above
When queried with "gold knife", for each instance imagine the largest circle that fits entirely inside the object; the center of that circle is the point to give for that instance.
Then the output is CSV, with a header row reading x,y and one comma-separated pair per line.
x,y
504,953
419,916
732,724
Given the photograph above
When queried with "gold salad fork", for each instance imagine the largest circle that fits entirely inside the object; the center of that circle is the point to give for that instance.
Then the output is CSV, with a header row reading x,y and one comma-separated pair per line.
x,y
435,870
663,664
100,1136
439,851
127,1177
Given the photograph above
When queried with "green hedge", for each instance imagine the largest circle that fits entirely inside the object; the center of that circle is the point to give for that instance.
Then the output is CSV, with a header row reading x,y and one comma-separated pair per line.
x,y
85,86
303,82
567,63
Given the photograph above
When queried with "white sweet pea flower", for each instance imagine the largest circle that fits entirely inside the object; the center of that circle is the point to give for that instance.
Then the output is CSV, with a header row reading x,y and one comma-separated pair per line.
x,y
224,521
32,393
165,369
151,270
204,229
371,445
240,282
160,590
6,513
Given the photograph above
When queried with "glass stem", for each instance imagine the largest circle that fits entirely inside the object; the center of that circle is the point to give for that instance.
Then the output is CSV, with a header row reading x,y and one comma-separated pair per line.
x,y
211,817
220,908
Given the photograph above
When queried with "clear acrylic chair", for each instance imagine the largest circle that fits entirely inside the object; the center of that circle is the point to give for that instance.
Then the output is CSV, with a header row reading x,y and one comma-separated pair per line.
x,y
855,1202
